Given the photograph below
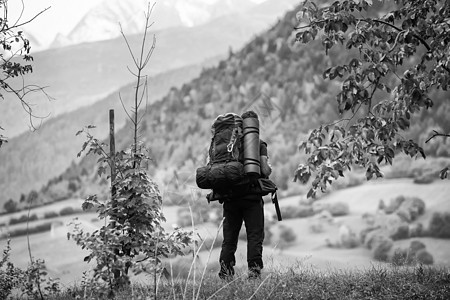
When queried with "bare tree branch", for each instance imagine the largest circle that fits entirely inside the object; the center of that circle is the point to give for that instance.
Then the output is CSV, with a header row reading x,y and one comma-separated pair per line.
x,y
436,134
124,108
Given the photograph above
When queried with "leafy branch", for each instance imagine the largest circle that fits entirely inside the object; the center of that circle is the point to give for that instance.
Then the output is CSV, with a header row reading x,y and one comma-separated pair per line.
x,y
383,47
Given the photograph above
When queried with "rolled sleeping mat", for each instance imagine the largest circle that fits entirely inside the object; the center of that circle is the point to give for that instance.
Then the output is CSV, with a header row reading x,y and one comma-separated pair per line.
x,y
251,146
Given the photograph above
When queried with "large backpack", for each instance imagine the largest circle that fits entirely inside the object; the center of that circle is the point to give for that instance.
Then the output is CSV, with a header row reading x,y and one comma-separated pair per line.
x,y
224,169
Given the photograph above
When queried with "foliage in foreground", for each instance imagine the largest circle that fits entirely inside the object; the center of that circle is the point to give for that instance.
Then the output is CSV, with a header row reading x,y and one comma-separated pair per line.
x,y
303,283
31,282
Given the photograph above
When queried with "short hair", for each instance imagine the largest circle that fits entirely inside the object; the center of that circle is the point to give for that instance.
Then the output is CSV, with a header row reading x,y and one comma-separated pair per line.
x,y
249,114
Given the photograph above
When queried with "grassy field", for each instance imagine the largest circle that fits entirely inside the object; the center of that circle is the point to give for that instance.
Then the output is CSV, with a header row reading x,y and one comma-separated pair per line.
x,y
64,259
301,283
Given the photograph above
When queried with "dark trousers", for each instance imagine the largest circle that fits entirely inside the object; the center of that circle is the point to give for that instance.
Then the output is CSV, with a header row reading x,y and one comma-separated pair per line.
x,y
252,213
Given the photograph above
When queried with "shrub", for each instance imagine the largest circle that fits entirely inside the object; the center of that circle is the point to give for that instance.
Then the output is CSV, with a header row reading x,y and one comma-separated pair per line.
x,y
287,234
23,219
369,219
349,241
424,257
381,248
411,208
67,211
316,226
31,230
338,209
416,253
415,247
365,232
9,274
400,257
373,237
300,211
440,225
394,204
401,232
415,230
50,214
426,178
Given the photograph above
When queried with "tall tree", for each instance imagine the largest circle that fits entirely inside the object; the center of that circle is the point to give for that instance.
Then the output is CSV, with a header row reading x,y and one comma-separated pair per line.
x,y
394,63
132,237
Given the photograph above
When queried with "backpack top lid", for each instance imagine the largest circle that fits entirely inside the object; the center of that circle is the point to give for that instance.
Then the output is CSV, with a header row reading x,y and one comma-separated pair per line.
x,y
226,131
225,121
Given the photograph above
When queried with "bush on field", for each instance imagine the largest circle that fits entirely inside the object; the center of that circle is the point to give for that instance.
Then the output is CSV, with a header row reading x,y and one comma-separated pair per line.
x,y
411,208
338,209
393,205
50,214
23,219
381,247
347,238
415,253
66,211
426,178
415,247
286,236
440,225
350,180
424,257
299,211
415,230
31,230
400,233
400,257
373,237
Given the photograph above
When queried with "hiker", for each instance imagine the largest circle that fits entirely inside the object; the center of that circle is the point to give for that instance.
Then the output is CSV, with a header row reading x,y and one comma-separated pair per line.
x,y
245,206
237,173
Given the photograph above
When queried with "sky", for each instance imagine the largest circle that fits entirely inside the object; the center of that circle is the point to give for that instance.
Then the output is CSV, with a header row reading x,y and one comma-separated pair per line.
x,y
61,17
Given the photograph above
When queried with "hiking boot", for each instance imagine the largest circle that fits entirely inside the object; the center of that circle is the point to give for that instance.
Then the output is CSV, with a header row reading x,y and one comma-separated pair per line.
x,y
226,271
254,273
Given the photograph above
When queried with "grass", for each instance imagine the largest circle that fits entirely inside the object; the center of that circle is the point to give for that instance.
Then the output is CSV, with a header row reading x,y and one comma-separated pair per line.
x,y
299,282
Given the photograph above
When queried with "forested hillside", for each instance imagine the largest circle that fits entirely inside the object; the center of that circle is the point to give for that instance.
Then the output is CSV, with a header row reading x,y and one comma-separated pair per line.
x,y
279,79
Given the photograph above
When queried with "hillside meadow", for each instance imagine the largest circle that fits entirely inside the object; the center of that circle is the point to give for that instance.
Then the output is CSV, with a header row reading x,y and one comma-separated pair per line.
x,y
310,249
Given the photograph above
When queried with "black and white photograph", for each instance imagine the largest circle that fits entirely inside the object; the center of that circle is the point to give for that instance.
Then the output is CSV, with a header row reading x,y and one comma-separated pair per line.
x,y
224,149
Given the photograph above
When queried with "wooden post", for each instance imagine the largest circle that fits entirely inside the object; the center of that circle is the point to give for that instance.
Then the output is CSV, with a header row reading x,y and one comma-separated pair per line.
x,y
112,151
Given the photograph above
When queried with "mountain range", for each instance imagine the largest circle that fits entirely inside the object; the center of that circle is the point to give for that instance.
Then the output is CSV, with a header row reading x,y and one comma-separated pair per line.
x,y
82,74
102,21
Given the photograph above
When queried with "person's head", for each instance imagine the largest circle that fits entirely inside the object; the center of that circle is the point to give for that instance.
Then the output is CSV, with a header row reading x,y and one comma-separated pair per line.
x,y
249,114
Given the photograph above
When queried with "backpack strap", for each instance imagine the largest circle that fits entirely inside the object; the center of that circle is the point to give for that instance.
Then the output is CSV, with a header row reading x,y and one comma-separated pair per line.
x,y
232,142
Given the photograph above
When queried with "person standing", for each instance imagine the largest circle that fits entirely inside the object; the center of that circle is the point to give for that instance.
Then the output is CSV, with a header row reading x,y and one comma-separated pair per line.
x,y
245,205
